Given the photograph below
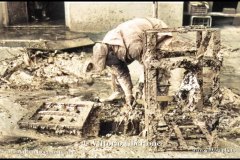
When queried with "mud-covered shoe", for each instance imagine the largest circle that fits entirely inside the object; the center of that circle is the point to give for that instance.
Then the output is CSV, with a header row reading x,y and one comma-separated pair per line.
x,y
113,96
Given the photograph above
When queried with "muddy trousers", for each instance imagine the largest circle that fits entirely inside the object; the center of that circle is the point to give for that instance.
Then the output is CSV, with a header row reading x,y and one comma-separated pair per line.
x,y
121,79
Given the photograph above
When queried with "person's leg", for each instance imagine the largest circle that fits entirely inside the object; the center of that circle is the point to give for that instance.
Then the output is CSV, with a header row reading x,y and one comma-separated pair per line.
x,y
115,84
116,88
124,81
44,11
38,9
118,93
121,78
32,11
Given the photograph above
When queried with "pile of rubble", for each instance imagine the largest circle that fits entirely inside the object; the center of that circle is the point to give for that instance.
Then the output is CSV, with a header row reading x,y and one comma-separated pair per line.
x,y
36,69
229,121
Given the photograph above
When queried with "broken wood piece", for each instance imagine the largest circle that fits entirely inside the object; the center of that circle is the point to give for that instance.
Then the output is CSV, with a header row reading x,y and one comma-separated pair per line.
x,y
165,98
141,101
167,138
207,134
10,71
188,126
4,80
204,44
179,135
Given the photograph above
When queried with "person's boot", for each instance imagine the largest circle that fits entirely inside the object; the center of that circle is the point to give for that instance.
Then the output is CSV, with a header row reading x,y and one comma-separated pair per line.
x,y
114,96
117,91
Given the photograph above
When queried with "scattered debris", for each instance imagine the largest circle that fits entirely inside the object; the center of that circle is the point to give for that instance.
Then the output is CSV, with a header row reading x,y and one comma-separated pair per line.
x,y
36,68
229,121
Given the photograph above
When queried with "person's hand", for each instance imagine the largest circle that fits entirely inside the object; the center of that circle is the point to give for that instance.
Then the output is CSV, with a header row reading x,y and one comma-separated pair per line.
x,y
139,91
130,101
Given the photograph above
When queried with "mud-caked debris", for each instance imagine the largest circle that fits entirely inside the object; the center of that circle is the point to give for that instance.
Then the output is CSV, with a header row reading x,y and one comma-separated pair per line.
x,y
36,68
229,122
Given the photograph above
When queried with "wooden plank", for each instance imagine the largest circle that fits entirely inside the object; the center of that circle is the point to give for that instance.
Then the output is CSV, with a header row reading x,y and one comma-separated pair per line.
x,y
200,54
176,62
171,54
217,55
145,131
171,63
216,44
179,135
188,126
69,43
164,98
181,29
167,139
204,44
141,101
150,84
151,99
186,137
198,39
206,133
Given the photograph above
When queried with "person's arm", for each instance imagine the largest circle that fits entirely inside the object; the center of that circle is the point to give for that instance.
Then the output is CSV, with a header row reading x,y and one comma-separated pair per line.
x,y
100,52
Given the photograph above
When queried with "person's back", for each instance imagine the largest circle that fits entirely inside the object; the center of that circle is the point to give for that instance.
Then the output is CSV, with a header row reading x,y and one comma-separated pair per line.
x,y
130,35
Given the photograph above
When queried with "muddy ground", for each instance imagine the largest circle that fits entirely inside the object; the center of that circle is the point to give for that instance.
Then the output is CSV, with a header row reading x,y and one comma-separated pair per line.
x,y
61,78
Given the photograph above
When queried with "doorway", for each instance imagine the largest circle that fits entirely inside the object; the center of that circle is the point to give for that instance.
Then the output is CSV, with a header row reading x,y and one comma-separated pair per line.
x,y
36,13
219,7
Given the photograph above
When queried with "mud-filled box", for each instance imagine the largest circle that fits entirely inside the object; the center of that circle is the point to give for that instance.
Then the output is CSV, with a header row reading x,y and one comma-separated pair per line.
x,y
182,88
59,118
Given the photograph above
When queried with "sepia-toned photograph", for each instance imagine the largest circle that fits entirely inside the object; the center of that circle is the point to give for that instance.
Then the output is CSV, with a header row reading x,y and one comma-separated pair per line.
x,y
120,79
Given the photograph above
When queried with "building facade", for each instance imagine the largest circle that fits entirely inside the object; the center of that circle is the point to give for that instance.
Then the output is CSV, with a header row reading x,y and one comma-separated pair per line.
x,y
101,16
